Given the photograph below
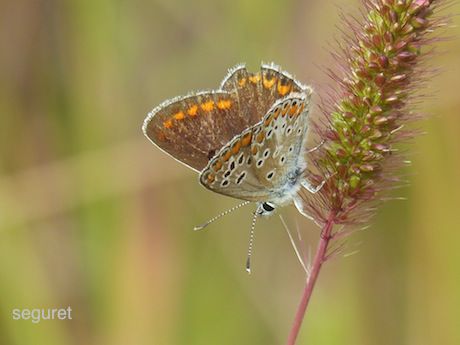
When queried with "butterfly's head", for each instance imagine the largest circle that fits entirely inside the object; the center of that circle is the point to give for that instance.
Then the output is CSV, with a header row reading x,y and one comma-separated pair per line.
x,y
266,208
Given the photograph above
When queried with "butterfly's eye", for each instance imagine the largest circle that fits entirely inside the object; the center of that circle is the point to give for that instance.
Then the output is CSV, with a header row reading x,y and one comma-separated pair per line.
x,y
268,207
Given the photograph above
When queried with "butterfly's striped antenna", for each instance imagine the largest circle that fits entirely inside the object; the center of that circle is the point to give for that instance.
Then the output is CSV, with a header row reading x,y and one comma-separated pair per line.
x,y
251,242
234,208
296,250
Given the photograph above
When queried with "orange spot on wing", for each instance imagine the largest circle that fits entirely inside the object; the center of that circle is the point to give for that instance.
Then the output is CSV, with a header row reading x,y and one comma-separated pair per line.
x,y
276,113
211,178
242,82
283,89
192,110
217,165
254,150
227,155
254,78
284,111
293,110
268,83
246,140
207,106
268,120
168,124
236,147
179,116
224,104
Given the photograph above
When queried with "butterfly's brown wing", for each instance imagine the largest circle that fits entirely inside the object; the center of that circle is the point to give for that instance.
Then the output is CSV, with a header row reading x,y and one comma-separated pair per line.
x,y
193,128
257,164
257,92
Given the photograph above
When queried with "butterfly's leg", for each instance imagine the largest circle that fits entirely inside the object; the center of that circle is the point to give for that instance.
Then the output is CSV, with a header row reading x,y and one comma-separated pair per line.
x,y
313,189
313,149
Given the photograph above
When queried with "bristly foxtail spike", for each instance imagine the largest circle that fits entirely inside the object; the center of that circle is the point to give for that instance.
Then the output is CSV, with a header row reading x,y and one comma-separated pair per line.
x,y
251,243
202,226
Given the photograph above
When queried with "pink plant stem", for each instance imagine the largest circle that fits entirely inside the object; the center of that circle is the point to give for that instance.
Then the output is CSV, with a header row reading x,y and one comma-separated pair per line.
x,y
320,257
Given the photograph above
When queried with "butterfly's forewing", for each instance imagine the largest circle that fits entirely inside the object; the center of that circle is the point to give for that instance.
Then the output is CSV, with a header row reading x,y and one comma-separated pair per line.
x,y
257,92
193,128
257,164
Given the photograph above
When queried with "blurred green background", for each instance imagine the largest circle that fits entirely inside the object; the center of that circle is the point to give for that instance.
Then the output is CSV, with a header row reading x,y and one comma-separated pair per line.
x,y
94,217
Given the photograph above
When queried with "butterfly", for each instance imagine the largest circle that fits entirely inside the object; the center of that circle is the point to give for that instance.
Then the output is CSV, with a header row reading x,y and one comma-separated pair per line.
x,y
246,139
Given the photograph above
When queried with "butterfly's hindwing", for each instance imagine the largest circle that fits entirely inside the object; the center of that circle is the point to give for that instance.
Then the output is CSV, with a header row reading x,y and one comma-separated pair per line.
x,y
256,164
